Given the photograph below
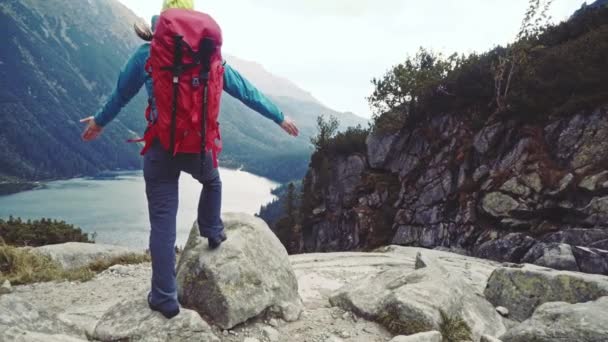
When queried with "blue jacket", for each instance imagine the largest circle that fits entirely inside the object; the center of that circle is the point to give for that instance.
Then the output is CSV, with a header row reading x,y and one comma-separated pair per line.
x,y
133,76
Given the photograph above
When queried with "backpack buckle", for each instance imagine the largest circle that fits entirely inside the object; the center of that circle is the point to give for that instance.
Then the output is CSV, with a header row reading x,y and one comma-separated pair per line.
x,y
196,82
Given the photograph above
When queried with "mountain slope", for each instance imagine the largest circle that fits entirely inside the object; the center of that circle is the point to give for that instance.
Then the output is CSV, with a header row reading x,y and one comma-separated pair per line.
x,y
60,60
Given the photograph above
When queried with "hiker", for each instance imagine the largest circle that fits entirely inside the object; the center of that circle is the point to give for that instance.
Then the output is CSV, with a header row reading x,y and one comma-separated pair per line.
x,y
171,142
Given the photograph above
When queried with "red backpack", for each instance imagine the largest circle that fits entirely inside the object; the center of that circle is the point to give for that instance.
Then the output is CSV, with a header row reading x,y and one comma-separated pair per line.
x,y
188,79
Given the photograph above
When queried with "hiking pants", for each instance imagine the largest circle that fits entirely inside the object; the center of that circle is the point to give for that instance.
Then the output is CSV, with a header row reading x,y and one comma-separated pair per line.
x,y
161,173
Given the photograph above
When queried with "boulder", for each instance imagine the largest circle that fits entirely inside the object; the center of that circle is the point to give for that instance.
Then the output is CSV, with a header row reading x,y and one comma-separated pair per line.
x,y
248,275
558,256
591,260
560,321
418,300
134,321
74,255
510,248
21,321
498,204
430,336
522,290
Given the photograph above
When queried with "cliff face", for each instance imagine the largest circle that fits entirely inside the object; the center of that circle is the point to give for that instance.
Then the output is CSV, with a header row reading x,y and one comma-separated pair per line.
x,y
507,191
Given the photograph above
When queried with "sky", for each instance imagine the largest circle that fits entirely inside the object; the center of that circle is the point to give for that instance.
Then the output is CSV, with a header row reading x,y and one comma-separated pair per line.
x,y
333,48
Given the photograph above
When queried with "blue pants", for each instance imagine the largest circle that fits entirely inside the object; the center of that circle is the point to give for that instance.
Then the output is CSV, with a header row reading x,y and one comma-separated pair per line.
x,y
161,172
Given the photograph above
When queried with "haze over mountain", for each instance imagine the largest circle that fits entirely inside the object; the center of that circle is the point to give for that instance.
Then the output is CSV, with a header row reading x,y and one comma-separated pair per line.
x,y
60,60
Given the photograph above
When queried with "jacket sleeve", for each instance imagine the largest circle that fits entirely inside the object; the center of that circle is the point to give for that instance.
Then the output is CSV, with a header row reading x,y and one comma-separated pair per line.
x,y
131,79
241,89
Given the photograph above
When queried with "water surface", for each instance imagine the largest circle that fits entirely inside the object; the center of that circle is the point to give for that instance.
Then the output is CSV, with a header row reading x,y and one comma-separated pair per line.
x,y
116,208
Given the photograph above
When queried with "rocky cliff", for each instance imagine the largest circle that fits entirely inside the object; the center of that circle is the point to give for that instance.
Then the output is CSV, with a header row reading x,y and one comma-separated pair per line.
x,y
507,191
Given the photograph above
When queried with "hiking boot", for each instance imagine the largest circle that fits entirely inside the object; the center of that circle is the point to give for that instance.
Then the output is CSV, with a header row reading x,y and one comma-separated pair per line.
x,y
167,312
215,242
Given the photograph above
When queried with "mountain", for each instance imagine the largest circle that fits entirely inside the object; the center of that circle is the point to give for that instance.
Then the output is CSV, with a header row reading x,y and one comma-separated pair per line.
x,y
60,60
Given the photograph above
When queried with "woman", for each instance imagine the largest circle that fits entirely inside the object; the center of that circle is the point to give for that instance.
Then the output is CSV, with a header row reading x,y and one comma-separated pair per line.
x,y
162,170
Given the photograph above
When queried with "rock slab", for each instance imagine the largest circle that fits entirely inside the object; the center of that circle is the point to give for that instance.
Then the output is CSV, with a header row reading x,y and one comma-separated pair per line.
x,y
134,321
74,255
416,301
560,321
431,336
248,275
522,290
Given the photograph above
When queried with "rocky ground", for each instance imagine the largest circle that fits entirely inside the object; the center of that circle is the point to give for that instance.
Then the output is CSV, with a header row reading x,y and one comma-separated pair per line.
x,y
349,297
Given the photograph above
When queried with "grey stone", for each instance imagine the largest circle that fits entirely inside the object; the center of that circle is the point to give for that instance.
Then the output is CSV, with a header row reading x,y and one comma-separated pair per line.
x,y
597,210
564,183
533,181
430,336
20,320
248,275
378,148
488,338
416,299
134,321
73,255
591,260
504,312
499,205
271,334
514,187
553,255
481,173
561,321
522,290
488,137
6,288
510,248
590,183
579,237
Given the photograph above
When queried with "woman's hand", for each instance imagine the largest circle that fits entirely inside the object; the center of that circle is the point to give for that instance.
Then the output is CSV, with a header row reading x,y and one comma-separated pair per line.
x,y
290,127
92,131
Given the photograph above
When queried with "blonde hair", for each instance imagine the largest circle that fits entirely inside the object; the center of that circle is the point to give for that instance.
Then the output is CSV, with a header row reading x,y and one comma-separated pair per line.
x,y
183,4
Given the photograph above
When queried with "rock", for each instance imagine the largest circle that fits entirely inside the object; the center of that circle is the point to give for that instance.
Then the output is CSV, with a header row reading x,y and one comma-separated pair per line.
x,y
21,321
488,137
511,248
521,290
590,183
481,173
247,276
533,181
558,256
497,204
431,336
560,321
73,255
564,183
18,335
378,148
6,288
514,187
271,334
597,210
504,312
251,339
591,260
580,237
134,321
415,300
488,338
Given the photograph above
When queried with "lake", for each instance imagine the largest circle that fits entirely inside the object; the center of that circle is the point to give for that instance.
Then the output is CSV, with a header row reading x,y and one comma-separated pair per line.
x,y
116,208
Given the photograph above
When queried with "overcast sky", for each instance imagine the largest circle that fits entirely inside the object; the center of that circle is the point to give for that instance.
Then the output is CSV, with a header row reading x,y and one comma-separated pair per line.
x,y
333,48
